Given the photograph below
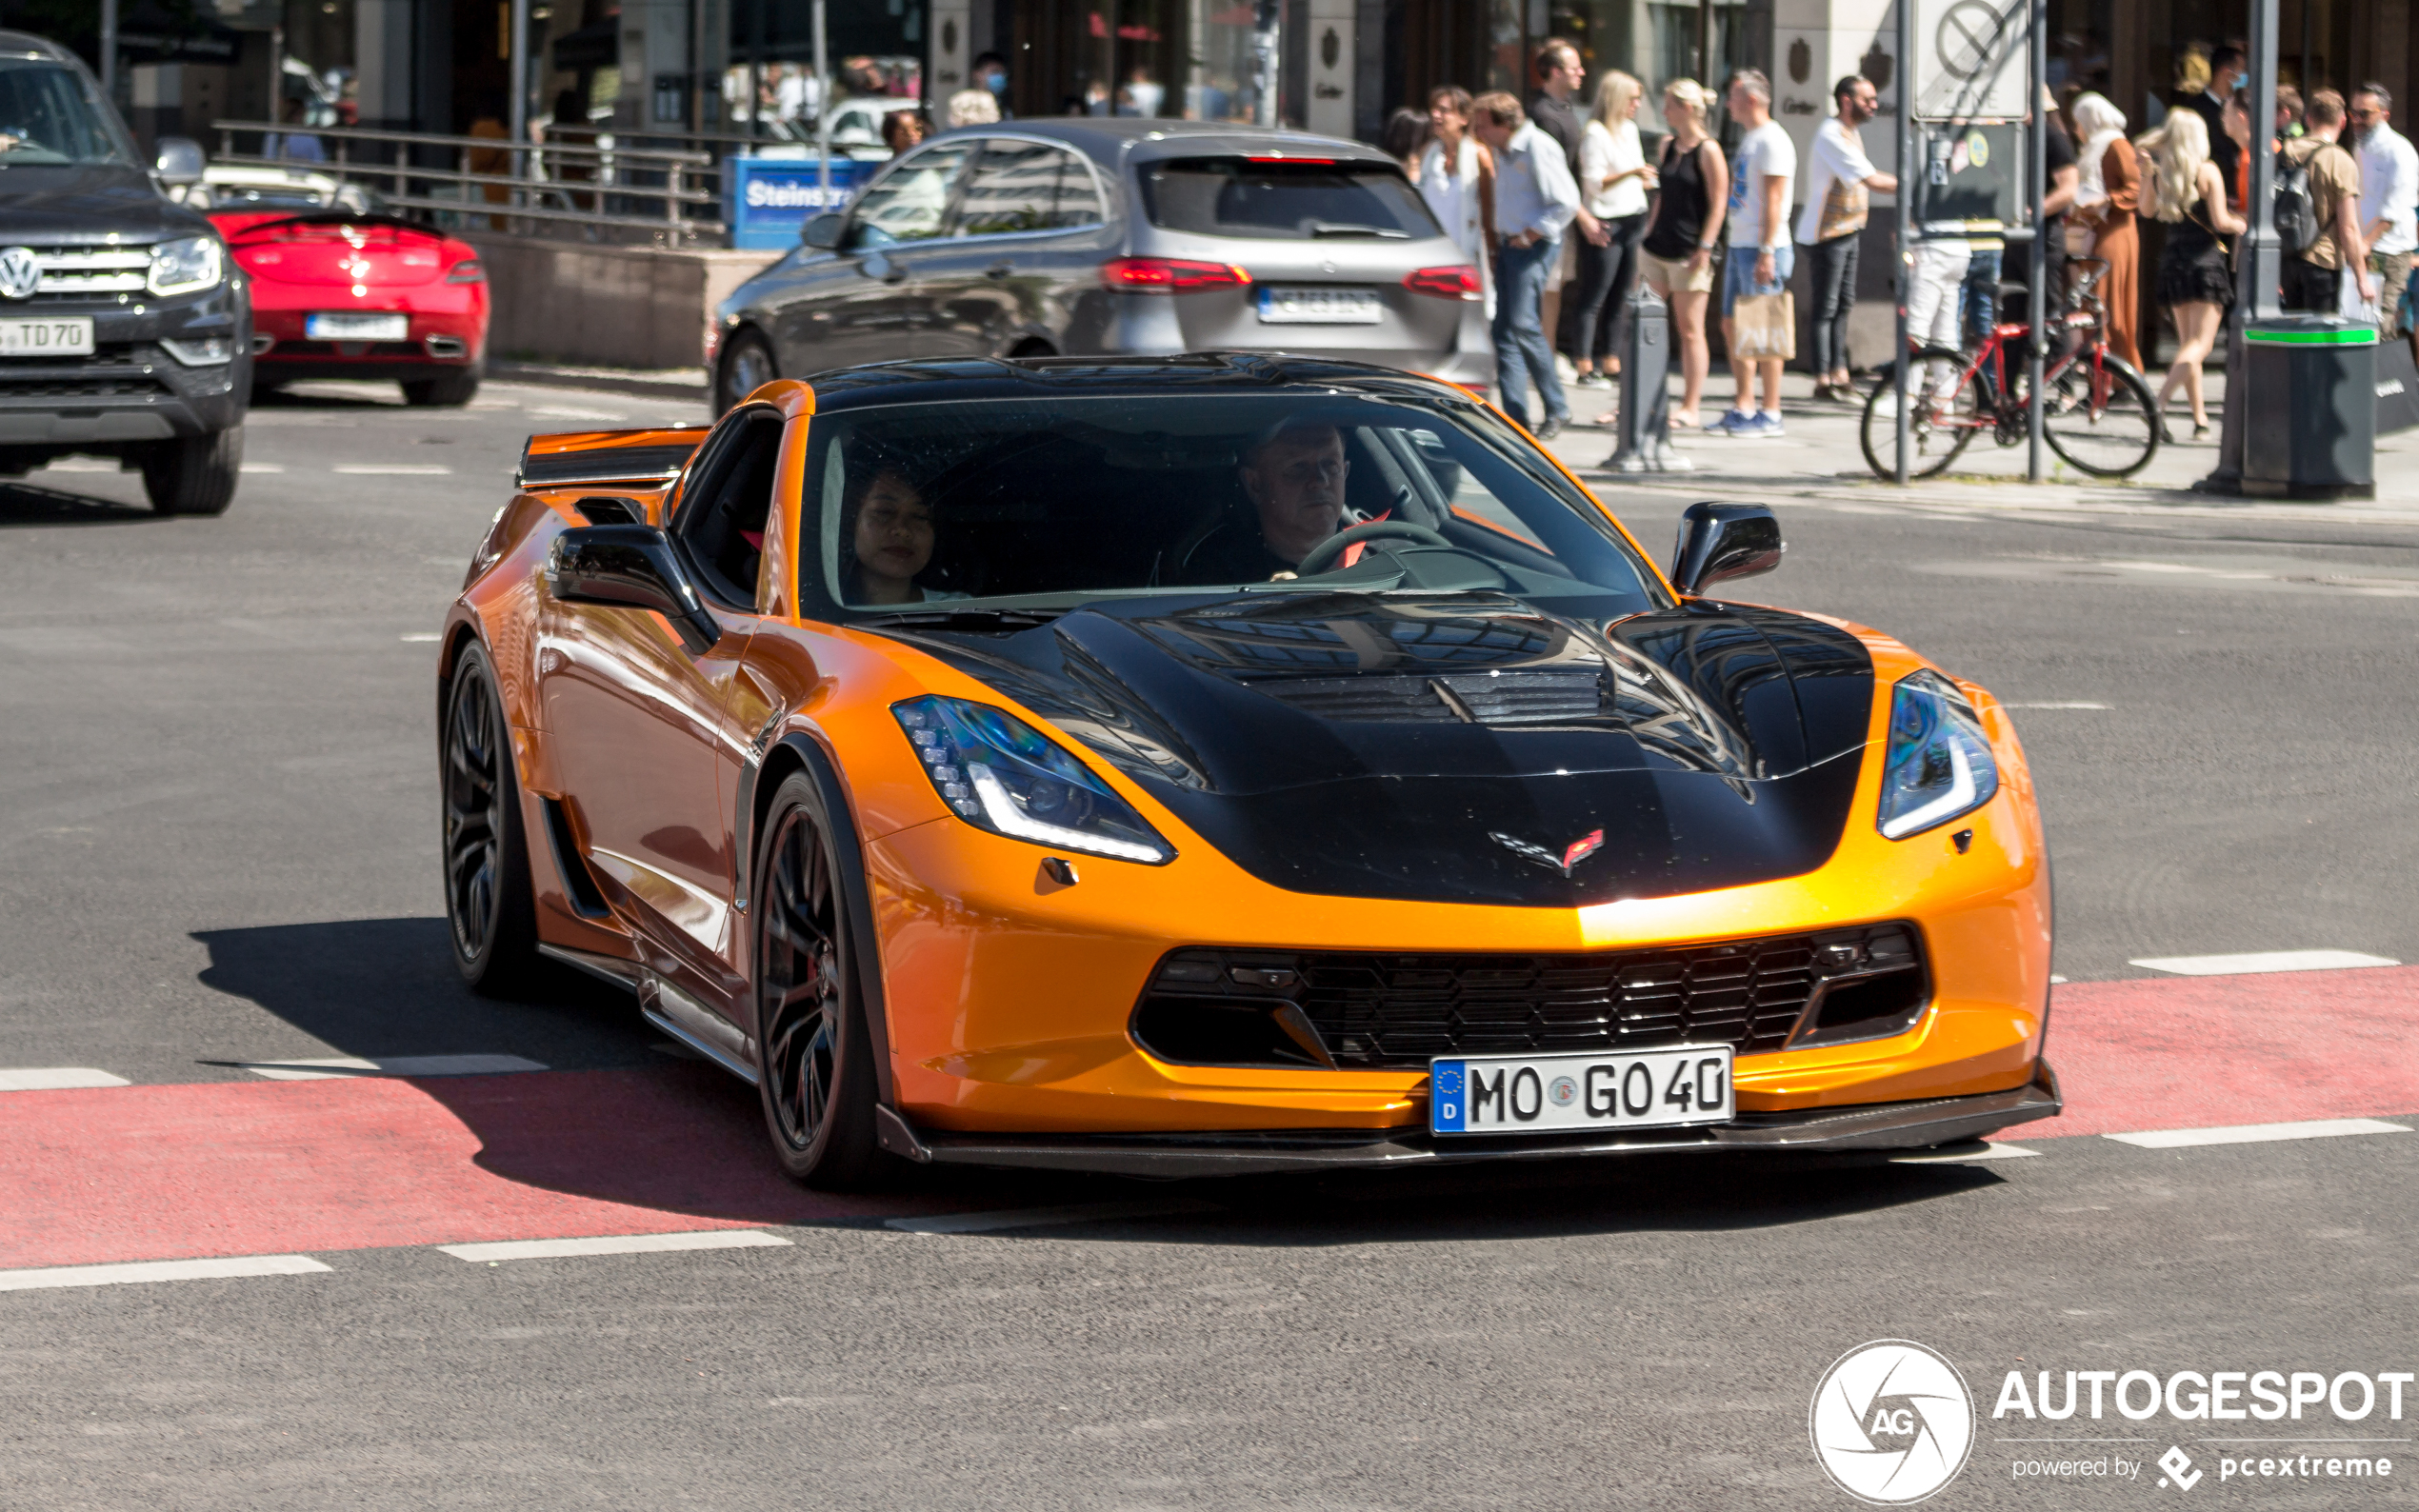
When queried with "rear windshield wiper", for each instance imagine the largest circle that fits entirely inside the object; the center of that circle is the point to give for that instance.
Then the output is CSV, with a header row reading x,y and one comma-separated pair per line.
x,y
1333,228
964,620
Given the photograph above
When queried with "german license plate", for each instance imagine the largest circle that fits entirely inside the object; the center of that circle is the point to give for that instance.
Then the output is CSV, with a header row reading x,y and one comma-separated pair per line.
x,y
58,336
350,326
1280,306
1559,1094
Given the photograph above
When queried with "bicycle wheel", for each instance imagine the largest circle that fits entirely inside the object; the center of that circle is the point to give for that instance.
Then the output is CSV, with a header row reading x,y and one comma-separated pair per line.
x,y
1940,424
2107,428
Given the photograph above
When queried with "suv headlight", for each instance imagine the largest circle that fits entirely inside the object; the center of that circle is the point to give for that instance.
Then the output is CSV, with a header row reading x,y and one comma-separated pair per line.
x,y
1937,763
999,773
187,264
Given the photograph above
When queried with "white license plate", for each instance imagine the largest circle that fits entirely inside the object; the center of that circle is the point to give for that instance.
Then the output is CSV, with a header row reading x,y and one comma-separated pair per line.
x,y
1280,306
356,328
60,336
1555,1094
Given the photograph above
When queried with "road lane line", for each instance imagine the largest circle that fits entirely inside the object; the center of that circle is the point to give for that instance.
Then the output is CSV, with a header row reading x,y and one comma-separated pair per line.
x,y
394,470
422,635
613,1245
2168,1139
147,1271
2262,960
344,1065
1959,1155
55,1078
2055,703
1045,1217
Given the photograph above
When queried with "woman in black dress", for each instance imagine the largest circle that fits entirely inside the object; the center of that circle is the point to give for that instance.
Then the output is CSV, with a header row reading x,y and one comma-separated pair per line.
x,y
2186,192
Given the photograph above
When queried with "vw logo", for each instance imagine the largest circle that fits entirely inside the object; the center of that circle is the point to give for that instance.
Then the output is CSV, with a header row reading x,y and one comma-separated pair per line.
x,y
1891,1422
20,272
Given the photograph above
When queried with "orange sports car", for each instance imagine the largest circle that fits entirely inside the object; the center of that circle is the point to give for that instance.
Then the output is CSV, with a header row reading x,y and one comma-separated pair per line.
x,y
1221,764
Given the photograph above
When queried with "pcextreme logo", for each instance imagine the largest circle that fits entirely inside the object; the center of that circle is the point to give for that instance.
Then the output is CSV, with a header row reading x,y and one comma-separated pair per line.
x,y
1891,1422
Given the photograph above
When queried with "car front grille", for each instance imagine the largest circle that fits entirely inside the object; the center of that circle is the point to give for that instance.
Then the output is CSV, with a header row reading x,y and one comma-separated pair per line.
x,y
75,274
114,372
1373,1010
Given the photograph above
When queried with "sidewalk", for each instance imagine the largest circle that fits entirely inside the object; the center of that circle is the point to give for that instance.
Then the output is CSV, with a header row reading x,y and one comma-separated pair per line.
x,y
1819,458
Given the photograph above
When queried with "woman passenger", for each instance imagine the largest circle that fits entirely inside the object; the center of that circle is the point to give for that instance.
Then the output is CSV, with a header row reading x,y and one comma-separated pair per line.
x,y
886,528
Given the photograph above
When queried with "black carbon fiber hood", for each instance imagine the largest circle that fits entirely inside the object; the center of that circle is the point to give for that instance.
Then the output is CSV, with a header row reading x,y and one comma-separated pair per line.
x,y
1457,749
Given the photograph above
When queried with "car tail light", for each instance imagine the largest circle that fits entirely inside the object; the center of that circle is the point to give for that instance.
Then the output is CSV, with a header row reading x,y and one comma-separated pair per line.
x,y
1170,275
1445,283
467,272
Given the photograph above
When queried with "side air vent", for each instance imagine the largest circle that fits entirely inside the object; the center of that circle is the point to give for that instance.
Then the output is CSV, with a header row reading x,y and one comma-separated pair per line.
x,y
578,882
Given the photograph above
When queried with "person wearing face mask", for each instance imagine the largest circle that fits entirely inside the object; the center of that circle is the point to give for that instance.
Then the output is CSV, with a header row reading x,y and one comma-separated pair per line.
x,y
2388,200
990,73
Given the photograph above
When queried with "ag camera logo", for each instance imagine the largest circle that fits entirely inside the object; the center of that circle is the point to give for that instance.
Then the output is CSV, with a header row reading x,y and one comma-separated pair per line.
x,y
1891,1422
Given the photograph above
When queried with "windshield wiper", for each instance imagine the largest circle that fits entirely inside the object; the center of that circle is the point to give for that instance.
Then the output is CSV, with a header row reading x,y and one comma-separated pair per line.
x,y
1333,228
965,619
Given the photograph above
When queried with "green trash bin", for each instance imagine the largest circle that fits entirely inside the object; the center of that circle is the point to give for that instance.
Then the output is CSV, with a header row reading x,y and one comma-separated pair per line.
x,y
2311,427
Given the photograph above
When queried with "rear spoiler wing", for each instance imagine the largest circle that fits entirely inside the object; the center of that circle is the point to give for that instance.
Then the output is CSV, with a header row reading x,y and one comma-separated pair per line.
x,y
577,459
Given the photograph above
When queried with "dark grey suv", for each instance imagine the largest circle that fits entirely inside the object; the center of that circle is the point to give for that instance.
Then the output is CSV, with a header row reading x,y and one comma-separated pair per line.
x,y
1075,236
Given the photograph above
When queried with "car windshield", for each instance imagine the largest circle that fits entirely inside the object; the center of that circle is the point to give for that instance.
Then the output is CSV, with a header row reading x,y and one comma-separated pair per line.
x,y
1285,199
1025,506
49,116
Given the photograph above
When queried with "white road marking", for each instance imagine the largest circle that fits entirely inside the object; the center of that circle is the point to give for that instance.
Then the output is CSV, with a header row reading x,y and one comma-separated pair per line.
x,y
1959,1155
2262,961
263,467
142,1271
80,465
613,1245
421,635
559,412
2168,1139
2055,703
54,1078
338,1066
2057,982
398,469
1045,1217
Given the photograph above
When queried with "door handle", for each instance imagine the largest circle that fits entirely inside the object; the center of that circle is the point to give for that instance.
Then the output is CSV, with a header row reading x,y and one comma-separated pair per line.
x,y
999,269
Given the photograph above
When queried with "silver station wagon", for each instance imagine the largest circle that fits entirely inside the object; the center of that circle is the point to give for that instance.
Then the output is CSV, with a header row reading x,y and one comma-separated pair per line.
x,y
1067,237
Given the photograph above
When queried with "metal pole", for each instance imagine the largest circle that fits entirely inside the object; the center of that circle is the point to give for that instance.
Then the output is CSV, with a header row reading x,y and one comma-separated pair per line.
x,y
517,118
696,68
109,51
822,110
2258,261
1906,248
756,23
1705,44
1264,24
2037,176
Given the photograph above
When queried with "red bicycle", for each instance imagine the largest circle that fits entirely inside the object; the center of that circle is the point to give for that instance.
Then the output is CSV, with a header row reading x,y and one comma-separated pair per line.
x,y
2096,410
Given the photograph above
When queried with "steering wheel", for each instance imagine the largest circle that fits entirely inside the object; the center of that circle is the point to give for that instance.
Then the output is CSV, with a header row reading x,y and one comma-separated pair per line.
x,y
1324,553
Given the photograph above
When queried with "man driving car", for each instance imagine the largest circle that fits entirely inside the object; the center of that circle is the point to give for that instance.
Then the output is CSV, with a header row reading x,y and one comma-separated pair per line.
x,y
1293,476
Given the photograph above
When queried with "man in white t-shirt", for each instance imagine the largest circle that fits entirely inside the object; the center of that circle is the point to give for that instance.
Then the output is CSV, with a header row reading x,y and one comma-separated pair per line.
x,y
1760,256
2389,199
1839,182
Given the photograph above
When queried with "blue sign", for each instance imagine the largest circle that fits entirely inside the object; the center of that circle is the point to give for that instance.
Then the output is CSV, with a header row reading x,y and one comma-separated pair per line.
x,y
766,200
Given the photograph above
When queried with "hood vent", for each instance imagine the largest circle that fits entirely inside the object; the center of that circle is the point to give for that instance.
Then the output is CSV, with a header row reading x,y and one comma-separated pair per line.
x,y
1558,696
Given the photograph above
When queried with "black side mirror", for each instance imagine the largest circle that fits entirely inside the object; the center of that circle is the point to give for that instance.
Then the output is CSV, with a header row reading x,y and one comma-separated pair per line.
x,y
822,232
1719,542
630,567
179,162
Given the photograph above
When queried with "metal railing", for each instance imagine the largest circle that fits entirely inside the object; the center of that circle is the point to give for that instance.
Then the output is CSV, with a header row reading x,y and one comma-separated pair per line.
x,y
594,185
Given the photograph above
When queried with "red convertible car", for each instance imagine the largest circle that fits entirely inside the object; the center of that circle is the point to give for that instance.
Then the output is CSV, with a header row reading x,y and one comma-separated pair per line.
x,y
339,294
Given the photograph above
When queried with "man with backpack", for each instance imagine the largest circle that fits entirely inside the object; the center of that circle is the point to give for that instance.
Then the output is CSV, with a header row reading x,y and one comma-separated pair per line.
x,y
2318,214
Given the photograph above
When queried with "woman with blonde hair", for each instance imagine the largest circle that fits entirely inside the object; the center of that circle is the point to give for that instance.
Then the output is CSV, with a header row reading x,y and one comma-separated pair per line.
x,y
2109,189
1676,254
2187,195
1614,180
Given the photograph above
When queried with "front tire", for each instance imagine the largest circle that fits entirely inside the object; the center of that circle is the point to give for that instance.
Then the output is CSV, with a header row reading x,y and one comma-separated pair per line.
x,y
447,391
2109,428
747,365
815,1054
195,474
488,904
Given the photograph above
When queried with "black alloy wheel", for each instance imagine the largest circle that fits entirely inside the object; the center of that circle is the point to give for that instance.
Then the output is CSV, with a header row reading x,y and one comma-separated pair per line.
x,y
747,365
815,1056
488,900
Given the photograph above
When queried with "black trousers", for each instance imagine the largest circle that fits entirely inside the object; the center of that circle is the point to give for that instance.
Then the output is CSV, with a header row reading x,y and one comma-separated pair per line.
x,y
1607,275
1835,298
2308,287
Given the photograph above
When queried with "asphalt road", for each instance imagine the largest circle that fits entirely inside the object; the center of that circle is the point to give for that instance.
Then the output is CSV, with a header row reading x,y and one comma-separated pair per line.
x,y
217,850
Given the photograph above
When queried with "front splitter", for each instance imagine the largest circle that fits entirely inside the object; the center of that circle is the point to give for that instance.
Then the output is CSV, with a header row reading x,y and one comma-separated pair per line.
x,y
1872,1126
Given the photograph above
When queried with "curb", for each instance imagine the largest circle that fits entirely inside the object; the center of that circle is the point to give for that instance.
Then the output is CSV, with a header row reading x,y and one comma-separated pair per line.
x,y
596,381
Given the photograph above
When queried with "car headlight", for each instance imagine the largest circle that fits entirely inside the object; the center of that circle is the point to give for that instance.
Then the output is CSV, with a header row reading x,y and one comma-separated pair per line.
x,y
1937,764
999,773
187,264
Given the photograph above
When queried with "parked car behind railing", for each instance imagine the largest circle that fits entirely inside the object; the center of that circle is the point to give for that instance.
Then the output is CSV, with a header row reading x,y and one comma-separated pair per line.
x,y
1069,237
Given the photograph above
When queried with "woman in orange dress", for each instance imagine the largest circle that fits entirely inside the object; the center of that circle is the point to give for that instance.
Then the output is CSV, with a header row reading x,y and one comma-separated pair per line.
x,y
2109,212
